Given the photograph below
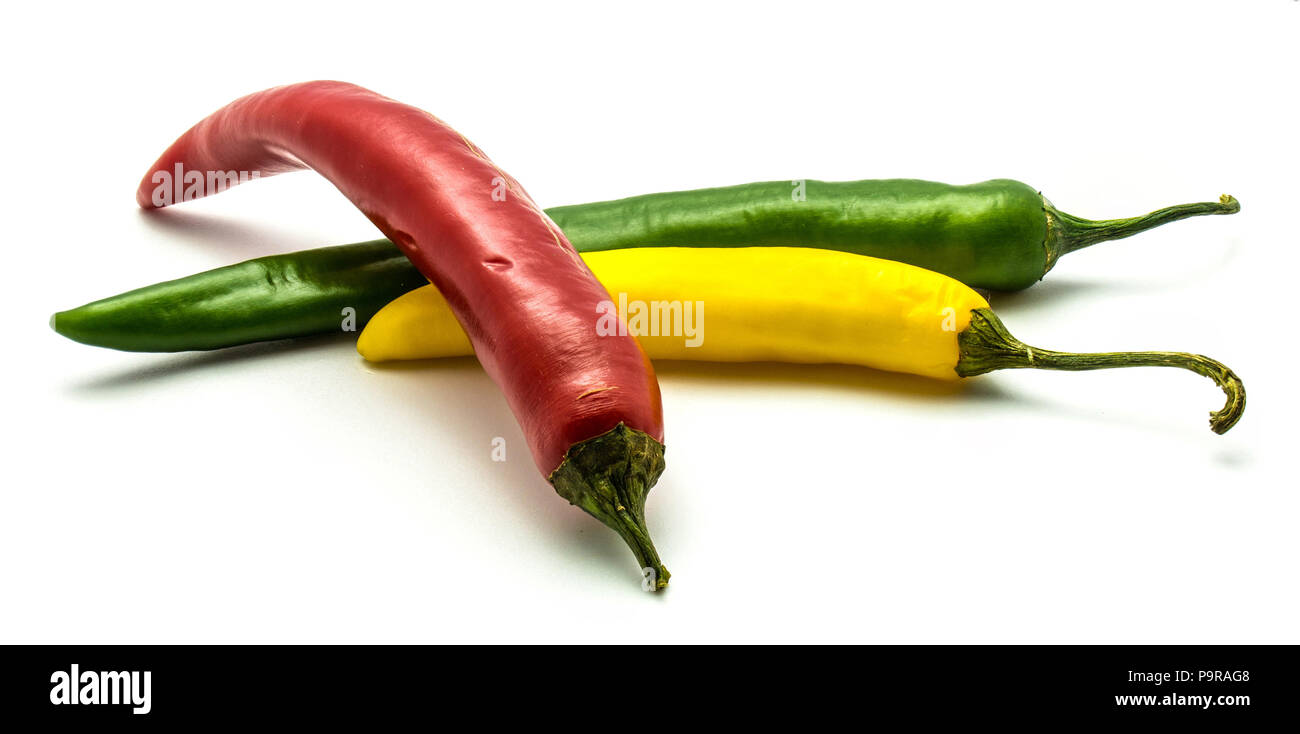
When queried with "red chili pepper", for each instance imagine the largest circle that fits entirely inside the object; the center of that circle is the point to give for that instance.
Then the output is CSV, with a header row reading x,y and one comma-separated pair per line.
x,y
589,404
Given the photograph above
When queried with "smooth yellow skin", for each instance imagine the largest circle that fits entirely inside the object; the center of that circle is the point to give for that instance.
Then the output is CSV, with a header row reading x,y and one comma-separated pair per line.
x,y
775,304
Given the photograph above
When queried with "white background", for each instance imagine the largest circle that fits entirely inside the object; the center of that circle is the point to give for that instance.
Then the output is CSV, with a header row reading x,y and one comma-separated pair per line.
x,y
289,492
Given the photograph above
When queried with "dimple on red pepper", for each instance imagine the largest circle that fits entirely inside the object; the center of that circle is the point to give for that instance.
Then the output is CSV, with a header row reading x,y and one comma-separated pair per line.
x,y
588,403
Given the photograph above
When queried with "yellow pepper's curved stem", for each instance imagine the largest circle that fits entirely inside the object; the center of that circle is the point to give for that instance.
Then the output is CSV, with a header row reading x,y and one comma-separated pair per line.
x,y
986,346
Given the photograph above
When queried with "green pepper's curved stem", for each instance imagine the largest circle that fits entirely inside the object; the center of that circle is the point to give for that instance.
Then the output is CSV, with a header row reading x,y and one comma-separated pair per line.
x,y
1067,233
987,346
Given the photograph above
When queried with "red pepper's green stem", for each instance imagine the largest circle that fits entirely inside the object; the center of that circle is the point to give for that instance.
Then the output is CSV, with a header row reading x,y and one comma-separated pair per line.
x,y
608,476
986,345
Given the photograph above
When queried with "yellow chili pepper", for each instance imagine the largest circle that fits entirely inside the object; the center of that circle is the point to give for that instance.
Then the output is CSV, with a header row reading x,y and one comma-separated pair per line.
x,y
796,305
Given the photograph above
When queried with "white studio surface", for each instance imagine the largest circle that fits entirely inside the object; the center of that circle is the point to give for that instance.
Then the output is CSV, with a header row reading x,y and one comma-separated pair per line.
x,y
291,493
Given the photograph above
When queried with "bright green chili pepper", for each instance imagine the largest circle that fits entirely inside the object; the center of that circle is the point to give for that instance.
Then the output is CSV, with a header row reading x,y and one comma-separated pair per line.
x,y
996,235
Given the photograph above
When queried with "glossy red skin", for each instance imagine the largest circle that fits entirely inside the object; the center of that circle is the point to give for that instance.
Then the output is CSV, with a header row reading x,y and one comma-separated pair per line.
x,y
520,290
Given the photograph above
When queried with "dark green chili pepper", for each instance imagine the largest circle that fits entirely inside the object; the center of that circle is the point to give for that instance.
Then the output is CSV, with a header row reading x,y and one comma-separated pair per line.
x,y
269,298
995,235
